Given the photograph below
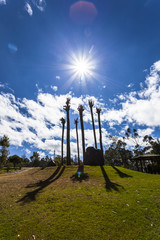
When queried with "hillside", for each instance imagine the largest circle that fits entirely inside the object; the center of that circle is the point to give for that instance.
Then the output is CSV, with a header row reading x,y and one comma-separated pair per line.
x,y
111,203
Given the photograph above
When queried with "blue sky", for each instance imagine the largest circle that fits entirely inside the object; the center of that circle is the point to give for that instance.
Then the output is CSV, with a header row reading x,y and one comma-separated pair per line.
x,y
38,40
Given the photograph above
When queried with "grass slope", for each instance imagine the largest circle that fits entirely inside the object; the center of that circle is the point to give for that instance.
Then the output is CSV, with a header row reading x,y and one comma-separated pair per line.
x,y
113,203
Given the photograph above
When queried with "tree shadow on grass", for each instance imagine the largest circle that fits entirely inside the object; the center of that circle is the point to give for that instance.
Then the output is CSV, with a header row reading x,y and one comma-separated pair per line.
x,y
35,171
121,174
79,176
31,196
110,185
39,169
40,183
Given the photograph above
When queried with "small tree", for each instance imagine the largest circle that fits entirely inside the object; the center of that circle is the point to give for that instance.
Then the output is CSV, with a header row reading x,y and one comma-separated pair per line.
x,y
134,137
35,159
4,143
153,144
15,159
58,160
25,161
117,154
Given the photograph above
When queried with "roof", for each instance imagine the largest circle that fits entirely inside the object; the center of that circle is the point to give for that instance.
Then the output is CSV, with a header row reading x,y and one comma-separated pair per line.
x,y
147,157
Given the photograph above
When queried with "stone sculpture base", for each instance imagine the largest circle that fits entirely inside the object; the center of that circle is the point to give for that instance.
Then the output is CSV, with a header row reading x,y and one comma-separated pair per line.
x,y
94,157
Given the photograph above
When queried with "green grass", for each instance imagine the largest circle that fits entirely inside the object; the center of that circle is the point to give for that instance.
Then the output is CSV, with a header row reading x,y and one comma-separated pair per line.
x,y
110,203
11,169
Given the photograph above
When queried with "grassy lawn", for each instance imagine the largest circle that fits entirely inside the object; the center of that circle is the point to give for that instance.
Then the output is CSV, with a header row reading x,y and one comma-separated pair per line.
x,y
12,169
112,203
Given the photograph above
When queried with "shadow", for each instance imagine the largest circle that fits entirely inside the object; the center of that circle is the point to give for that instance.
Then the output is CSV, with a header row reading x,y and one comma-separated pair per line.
x,y
38,184
35,172
121,174
31,196
109,185
42,168
79,176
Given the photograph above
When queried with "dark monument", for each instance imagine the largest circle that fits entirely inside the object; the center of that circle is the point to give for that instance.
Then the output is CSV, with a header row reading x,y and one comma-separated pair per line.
x,y
93,157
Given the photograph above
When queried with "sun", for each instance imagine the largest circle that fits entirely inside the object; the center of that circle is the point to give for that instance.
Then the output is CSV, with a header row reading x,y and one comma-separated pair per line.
x,y
81,66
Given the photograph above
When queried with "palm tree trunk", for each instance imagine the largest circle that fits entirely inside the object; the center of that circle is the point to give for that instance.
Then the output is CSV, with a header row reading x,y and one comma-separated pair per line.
x,y
62,145
94,133
100,132
77,144
83,139
68,140
67,108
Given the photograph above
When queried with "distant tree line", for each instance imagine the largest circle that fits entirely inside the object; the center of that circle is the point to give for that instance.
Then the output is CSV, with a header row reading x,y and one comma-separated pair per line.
x,y
118,153
17,162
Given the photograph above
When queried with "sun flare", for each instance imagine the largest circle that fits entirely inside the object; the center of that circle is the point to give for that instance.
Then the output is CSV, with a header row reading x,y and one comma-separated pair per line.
x,y
81,66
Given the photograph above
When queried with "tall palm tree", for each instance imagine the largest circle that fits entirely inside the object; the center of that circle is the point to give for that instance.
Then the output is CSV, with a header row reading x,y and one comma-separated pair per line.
x,y
76,123
81,109
67,108
98,110
91,104
63,121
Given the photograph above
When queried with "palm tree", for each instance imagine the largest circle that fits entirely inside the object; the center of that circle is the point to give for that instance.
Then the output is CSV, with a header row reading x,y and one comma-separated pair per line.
x,y
81,109
98,110
76,123
91,104
63,121
67,108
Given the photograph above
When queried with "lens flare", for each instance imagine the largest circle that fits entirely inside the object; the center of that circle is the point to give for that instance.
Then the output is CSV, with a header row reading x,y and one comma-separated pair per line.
x,y
83,12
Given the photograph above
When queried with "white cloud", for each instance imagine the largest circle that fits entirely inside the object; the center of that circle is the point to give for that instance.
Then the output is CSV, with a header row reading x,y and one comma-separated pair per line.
x,y
39,89
139,107
121,97
28,8
38,122
130,85
2,85
2,2
28,152
40,4
144,132
113,101
41,154
55,88
6,86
